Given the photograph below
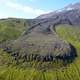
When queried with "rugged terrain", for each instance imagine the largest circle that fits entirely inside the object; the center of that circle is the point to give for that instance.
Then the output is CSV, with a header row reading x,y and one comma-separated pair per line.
x,y
48,45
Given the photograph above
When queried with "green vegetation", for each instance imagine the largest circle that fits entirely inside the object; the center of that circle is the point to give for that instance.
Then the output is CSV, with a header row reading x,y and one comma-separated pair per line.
x,y
72,72
70,34
11,29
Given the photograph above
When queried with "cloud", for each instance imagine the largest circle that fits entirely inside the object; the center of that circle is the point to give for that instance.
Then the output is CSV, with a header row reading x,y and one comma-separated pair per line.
x,y
26,9
3,16
1,1
31,0
4,1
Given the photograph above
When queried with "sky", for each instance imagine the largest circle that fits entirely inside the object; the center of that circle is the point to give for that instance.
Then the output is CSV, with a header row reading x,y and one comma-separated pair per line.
x,y
30,8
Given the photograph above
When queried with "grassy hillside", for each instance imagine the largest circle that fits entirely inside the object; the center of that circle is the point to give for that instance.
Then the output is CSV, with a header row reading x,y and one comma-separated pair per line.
x,y
70,34
10,30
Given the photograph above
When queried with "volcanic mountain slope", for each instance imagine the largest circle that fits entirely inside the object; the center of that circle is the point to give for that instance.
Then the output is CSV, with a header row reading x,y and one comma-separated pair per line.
x,y
75,6
40,48
41,41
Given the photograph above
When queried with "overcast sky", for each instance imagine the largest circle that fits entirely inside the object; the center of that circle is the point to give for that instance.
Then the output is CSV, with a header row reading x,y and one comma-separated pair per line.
x,y
30,8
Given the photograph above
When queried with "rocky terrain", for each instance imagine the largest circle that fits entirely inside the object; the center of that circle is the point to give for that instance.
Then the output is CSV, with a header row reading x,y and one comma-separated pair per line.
x,y
44,48
40,41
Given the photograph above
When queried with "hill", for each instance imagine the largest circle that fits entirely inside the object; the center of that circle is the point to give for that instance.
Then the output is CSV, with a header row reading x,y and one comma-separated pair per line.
x,y
47,47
